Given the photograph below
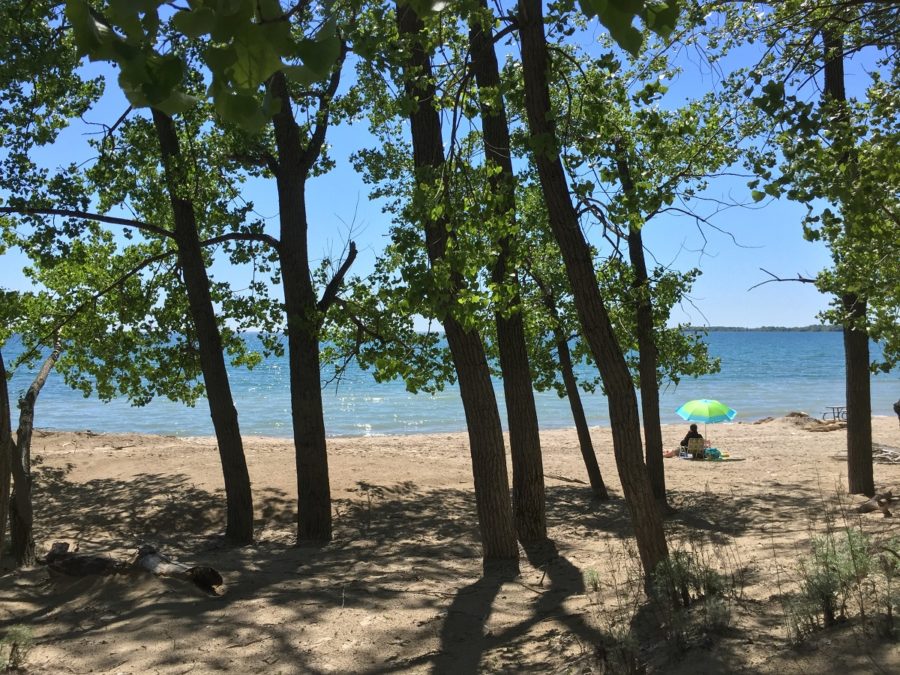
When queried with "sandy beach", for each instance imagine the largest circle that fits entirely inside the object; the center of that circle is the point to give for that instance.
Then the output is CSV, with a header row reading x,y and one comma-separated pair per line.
x,y
400,587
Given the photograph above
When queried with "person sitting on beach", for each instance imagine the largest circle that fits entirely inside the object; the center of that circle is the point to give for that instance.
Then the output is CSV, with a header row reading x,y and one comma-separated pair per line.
x,y
897,410
693,433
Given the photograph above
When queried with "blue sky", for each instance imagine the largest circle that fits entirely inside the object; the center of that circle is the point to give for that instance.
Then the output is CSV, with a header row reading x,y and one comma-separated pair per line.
x,y
765,236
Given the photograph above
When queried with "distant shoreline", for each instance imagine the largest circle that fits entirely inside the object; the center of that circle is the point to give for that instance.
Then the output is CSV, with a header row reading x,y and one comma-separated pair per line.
x,y
814,328
713,428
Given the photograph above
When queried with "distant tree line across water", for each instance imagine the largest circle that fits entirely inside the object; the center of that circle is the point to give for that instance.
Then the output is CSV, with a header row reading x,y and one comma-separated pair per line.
x,y
816,328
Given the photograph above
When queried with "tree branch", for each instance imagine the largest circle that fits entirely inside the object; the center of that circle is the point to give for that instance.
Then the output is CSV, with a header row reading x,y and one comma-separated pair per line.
x,y
243,236
93,299
803,280
85,215
314,148
330,293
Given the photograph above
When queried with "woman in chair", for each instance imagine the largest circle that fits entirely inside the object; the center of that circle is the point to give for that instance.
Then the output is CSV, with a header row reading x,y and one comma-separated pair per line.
x,y
693,433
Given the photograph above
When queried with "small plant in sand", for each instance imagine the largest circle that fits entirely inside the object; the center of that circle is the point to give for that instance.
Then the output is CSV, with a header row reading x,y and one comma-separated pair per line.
x,y
846,575
691,596
692,591
14,647
614,604
888,594
592,580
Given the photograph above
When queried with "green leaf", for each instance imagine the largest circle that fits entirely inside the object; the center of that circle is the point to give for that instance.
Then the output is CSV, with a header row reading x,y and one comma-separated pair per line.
x,y
124,14
661,18
620,28
196,23
299,74
255,59
220,59
177,103
164,75
757,195
320,54
91,37
241,109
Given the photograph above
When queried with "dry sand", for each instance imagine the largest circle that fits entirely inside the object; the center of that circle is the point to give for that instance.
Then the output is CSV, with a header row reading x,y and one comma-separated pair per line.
x,y
400,587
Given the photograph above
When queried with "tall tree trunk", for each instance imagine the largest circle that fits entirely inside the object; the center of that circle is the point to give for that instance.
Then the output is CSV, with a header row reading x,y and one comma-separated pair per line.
x,y
495,516
310,446
573,393
21,523
860,474
581,426
239,526
6,452
647,352
524,435
597,328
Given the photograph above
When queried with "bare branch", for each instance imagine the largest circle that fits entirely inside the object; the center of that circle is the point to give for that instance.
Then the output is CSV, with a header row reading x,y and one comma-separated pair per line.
x,y
798,278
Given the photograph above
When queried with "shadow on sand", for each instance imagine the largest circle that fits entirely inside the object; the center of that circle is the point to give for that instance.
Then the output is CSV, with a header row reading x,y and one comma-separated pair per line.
x,y
397,548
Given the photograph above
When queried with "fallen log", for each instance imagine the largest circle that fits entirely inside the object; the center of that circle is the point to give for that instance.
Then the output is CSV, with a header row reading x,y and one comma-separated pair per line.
x,y
877,503
63,561
148,559
156,563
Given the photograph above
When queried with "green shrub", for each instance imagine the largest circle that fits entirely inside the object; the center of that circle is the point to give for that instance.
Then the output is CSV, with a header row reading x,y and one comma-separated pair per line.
x,y
15,645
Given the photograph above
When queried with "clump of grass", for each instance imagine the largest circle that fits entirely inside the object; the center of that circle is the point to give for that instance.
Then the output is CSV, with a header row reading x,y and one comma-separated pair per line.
x,y
693,590
614,603
16,644
847,575
592,580
888,593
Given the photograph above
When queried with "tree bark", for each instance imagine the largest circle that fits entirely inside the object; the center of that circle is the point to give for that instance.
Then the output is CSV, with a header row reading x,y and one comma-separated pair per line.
x,y
21,525
303,321
597,328
860,470
647,353
239,523
524,435
495,516
573,393
860,473
6,452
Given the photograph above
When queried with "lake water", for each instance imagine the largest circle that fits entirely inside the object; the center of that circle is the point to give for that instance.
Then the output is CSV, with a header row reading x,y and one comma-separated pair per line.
x,y
763,373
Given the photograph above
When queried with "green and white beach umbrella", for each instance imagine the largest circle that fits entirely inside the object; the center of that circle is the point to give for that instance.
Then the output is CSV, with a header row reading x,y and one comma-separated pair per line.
x,y
707,411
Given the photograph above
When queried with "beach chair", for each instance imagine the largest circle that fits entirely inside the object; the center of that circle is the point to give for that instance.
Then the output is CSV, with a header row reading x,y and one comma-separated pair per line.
x,y
695,447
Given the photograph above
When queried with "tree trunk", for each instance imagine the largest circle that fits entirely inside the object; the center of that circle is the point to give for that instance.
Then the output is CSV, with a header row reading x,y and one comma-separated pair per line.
x,y
524,434
581,426
573,393
6,452
495,517
239,527
647,353
597,329
21,524
310,446
860,474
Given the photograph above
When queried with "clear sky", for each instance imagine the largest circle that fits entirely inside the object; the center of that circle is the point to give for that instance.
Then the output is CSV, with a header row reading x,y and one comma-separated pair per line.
x,y
765,236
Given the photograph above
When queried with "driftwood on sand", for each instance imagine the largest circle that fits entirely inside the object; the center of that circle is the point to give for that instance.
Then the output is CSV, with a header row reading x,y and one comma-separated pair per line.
x,y
877,503
148,559
153,561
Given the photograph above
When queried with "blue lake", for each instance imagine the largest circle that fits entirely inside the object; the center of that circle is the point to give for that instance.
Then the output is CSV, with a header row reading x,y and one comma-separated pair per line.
x,y
763,373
